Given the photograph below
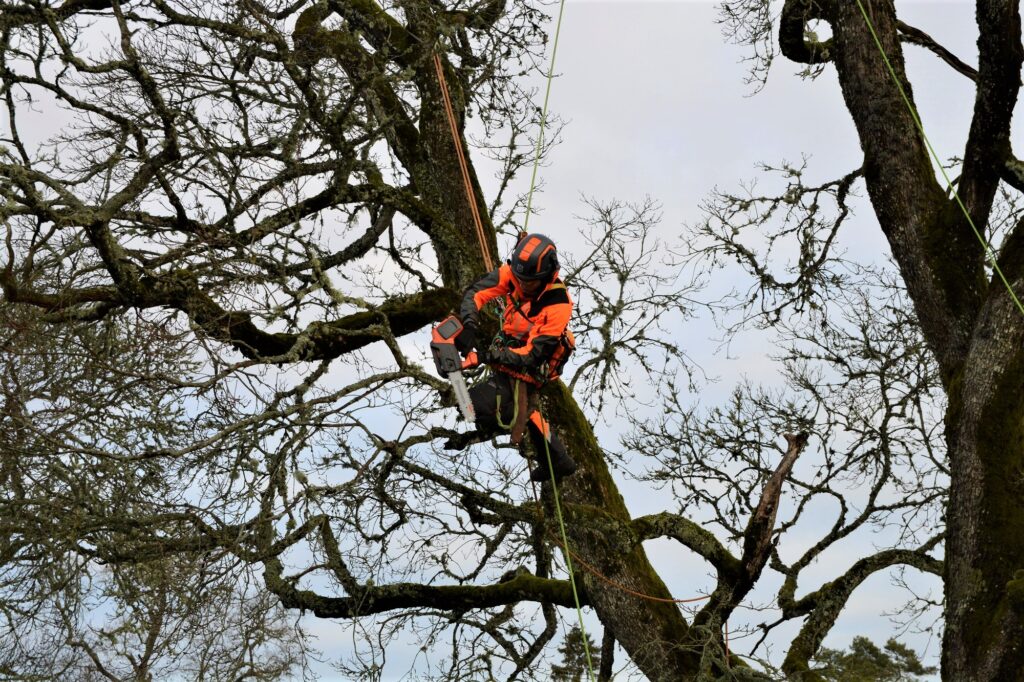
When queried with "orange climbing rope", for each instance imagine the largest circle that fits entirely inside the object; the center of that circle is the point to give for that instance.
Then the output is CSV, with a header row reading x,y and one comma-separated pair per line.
x,y
485,249
619,586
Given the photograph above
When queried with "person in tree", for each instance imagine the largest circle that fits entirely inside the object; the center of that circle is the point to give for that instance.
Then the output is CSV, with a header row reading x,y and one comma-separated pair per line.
x,y
530,350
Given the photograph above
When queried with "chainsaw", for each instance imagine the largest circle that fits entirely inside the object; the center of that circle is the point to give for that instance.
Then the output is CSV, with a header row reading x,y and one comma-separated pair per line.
x,y
450,364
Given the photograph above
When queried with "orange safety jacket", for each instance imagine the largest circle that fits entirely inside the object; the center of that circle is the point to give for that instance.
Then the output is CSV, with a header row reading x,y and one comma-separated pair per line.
x,y
538,338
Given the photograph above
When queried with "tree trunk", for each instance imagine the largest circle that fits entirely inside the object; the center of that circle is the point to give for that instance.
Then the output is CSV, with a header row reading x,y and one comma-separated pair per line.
x,y
654,634
984,637
439,179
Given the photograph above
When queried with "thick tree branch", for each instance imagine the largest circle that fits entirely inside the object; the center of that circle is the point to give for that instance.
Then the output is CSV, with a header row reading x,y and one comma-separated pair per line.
x,y
1013,172
14,292
384,32
757,541
460,598
13,16
1011,259
690,534
916,36
482,16
757,538
824,604
794,40
1000,56
319,341
314,43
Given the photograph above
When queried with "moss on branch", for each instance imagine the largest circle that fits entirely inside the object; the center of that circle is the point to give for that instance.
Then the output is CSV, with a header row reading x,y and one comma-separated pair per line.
x,y
459,598
795,42
693,536
320,341
384,31
824,604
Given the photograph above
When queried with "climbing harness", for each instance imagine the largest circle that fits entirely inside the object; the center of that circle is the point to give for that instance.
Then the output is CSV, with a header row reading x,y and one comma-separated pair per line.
x,y
549,370
515,407
521,413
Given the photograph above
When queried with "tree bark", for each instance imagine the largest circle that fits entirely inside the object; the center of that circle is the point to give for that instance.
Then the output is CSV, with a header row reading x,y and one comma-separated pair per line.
x,y
937,253
984,638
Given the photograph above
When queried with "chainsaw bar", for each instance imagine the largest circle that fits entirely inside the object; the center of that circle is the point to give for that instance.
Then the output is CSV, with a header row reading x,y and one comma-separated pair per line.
x,y
462,396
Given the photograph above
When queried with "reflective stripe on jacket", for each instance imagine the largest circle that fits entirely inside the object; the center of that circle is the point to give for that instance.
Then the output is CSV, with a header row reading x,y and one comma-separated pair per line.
x,y
535,326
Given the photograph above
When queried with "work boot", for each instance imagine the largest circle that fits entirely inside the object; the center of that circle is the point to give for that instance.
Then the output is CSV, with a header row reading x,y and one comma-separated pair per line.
x,y
562,462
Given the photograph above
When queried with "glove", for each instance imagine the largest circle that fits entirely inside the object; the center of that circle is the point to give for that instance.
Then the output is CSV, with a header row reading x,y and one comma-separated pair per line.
x,y
466,340
487,355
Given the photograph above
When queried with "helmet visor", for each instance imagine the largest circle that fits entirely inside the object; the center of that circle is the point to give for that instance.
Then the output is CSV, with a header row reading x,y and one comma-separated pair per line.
x,y
529,287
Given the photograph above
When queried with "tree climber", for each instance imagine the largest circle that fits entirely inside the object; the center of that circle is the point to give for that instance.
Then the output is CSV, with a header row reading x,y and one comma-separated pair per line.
x,y
530,350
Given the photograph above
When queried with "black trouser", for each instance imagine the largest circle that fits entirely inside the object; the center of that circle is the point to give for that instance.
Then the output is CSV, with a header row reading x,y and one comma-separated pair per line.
x,y
485,404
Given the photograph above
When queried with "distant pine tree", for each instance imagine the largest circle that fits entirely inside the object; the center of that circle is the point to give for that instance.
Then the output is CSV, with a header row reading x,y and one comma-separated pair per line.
x,y
574,658
865,662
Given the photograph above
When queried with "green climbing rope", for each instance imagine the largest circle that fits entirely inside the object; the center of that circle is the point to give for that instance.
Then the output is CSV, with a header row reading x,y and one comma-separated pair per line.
x,y
544,117
547,449
568,554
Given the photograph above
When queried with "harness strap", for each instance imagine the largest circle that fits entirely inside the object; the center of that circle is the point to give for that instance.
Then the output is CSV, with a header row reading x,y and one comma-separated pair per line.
x,y
522,412
550,287
515,408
